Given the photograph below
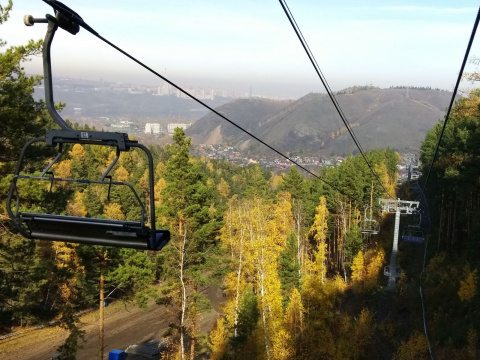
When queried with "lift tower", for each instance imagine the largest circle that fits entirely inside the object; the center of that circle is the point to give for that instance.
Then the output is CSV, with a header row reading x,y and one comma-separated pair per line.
x,y
399,207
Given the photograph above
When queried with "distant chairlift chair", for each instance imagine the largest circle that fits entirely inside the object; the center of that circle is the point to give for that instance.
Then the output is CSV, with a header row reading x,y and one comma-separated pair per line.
x,y
76,229
370,226
414,233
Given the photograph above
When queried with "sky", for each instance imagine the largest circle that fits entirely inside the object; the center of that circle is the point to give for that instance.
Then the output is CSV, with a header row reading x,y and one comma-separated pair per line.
x,y
249,45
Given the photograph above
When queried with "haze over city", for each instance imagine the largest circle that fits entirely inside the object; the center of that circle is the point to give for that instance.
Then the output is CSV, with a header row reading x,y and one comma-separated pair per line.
x,y
250,46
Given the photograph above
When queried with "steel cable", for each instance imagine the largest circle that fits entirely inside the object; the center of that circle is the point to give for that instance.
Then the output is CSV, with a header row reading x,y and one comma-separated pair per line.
x,y
327,88
82,23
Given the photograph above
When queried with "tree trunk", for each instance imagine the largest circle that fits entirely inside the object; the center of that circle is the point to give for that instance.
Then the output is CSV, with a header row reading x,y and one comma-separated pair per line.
x,y
261,271
440,224
184,296
298,224
239,273
264,315
101,323
193,326
449,218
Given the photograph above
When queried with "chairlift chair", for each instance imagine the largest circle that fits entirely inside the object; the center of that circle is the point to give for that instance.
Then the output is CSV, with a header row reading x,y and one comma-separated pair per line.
x,y
76,229
369,226
413,234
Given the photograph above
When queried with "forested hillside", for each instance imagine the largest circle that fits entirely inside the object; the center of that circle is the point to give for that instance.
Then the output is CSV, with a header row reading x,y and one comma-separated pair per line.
x,y
299,279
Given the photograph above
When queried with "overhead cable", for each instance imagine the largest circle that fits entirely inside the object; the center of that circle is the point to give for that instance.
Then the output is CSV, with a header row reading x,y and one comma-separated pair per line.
x,y
82,23
459,78
421,278
310,55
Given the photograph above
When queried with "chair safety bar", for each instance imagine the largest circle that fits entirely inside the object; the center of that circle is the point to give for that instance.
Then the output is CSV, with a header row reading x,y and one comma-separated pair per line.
x,y
107,232
128,234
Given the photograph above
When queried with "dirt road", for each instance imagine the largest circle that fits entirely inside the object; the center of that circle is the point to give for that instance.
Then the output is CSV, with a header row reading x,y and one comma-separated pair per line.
x,y
124,326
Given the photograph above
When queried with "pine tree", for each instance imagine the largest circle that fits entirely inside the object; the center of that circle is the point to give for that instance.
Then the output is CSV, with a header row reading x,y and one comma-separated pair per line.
x,y
23,118
186,205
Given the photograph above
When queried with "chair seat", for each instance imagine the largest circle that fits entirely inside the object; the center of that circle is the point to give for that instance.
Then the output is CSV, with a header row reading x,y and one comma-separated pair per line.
x,y
93,231
413,239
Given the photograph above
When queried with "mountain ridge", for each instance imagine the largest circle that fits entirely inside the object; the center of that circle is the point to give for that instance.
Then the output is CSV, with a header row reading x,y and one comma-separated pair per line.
x,y
398,118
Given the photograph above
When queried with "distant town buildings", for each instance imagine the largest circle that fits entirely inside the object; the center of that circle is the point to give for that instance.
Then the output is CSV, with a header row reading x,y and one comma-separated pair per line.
x,y
153,128
121,125
275,164
199,93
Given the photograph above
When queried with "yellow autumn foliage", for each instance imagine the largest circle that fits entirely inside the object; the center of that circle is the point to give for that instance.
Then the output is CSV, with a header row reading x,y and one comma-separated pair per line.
x,y
363,330
113,211
66,257
275,181
78,151
472,343
282,345
144,183
111,157
468,286
358,267
294,313
77,207
210,183
218,340
319,228
63,169
319,232
374,267
366,269
210,165
159,169
387,182
121,174
159,186
223,188
469,106
414,349
335,287
283,217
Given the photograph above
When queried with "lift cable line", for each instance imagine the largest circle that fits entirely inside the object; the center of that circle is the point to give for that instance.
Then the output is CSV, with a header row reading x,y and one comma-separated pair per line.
x,y
319,71
460,74
310,55
423,201
75,18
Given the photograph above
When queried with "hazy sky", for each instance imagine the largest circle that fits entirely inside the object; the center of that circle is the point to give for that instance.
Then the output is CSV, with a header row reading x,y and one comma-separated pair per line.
x,y
250,43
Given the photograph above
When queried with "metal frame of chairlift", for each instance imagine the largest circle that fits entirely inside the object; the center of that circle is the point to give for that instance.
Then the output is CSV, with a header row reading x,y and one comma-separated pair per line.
x,y
93,231
398,207
369,225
